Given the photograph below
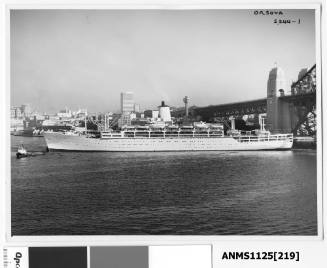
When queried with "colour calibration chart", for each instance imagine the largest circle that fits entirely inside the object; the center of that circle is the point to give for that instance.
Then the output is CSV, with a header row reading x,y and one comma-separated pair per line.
x,y
108,257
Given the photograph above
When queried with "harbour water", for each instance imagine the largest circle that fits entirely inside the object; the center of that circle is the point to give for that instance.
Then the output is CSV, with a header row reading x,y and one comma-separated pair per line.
x,y
173,193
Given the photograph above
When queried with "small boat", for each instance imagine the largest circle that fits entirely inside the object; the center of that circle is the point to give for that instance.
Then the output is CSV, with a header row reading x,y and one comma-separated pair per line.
x,y
22,152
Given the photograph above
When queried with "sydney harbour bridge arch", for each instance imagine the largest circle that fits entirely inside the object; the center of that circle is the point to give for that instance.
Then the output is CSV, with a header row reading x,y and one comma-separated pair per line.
x,y
285,112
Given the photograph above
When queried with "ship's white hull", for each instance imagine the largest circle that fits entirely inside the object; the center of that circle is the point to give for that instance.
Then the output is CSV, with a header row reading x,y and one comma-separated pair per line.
x,y
58,141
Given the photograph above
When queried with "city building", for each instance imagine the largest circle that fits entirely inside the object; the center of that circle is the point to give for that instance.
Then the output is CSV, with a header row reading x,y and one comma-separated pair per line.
x,y
137,108
16,124
65,113
132,116
80,113
26,110
152,114
23,111
124,120
12,112
155,115
127,102
148,113
16,112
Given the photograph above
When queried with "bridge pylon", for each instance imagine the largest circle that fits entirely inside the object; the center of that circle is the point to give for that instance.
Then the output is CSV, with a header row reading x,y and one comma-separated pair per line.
x,y
278,115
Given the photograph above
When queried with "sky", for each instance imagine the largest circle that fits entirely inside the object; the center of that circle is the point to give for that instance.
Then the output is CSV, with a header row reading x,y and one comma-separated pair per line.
x,y
86,58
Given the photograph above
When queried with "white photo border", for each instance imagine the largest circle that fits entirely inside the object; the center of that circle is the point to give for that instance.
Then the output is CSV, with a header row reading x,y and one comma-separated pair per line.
x,y
159,239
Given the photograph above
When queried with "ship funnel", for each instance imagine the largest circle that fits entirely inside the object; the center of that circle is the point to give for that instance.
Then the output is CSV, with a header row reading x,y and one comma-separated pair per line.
x,y
164,112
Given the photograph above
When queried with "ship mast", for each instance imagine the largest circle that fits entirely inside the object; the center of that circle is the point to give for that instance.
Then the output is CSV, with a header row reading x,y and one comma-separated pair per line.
x,y
85,122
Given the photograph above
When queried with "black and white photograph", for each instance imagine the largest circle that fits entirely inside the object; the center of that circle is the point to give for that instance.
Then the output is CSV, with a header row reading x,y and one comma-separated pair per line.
x,y
201,122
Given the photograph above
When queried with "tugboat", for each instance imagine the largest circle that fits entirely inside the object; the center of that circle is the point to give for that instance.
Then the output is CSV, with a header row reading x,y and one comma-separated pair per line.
x,y
22,152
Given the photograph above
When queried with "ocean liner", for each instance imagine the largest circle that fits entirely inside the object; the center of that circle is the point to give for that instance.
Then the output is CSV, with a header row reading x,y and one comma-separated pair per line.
x,y
170,138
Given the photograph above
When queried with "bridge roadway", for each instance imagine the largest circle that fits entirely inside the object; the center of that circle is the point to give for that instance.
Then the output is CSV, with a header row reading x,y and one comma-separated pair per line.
x,y
257,106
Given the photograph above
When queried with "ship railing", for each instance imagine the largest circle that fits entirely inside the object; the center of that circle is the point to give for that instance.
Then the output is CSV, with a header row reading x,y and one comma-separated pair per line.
x,y
161,134
274,137
105,134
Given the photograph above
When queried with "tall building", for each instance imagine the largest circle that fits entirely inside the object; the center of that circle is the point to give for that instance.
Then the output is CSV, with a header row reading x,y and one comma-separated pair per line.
x,y
137,108
26,110
127,102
